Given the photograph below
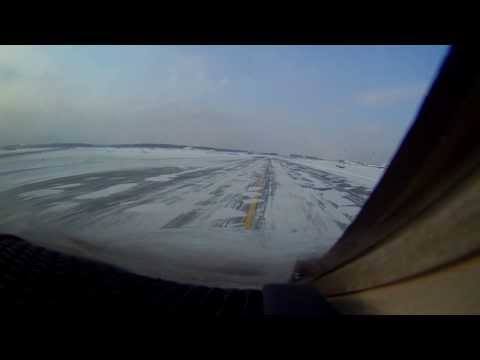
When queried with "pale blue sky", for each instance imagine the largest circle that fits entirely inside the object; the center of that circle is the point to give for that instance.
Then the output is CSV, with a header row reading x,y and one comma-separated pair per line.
x,y
353,102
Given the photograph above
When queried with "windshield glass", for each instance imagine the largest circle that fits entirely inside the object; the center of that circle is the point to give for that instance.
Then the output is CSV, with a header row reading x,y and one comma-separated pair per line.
x,y
212,165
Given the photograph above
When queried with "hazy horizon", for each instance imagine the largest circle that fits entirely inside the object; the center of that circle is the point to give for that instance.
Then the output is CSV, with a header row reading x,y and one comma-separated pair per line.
x,y
335,102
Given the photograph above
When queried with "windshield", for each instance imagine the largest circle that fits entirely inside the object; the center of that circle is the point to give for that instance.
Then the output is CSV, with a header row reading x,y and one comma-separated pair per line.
x,y
211,165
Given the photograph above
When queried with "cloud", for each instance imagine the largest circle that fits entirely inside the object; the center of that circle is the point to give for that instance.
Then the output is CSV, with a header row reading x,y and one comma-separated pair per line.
x,y
390,96
223,82
26,80
8,73
43,99
157,94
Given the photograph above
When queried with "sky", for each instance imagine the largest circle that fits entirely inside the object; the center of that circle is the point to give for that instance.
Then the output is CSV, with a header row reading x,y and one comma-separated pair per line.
x,y
335,102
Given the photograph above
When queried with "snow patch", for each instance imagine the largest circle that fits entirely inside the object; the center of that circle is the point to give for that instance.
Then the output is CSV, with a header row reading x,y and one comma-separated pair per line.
x,y
154,207
39,193
67,186
252,201
252,194
161,178
61,206
107,191
226,213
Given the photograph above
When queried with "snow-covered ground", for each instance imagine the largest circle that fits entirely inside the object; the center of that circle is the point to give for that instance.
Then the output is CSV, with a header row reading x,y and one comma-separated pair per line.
x,y
197,216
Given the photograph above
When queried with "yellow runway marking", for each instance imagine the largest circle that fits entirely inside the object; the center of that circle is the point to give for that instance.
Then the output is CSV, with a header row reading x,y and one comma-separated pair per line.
x,y
248,222
252,209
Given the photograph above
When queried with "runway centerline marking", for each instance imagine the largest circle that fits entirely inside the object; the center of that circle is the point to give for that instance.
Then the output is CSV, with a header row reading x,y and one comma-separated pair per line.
x,y
252,209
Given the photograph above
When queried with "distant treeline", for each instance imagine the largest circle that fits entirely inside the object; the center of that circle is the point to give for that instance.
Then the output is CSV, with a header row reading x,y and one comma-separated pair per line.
x,y
165,146
141,145
298,156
